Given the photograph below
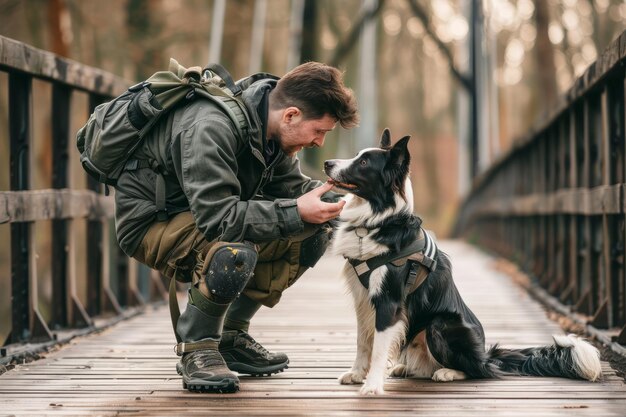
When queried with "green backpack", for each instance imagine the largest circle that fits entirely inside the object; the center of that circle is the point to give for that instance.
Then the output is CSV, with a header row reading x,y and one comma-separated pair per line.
x,y
117,128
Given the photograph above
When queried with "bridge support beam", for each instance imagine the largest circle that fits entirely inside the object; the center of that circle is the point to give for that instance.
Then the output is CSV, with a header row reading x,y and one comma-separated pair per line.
x,y
26,322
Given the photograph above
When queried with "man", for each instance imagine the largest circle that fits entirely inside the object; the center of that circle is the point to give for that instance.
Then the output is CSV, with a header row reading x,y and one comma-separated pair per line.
x,y
237,207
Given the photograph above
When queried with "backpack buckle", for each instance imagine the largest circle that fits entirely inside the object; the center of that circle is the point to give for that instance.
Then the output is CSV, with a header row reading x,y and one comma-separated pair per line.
x,y
161,215
139,86
131,165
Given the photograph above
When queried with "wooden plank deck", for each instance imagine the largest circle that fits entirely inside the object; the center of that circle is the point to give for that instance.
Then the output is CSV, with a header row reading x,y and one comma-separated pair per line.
x,y
129,368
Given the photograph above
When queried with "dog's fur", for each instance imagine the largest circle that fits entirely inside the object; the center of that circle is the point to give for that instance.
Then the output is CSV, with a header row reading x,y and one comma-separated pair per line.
x,y
431,332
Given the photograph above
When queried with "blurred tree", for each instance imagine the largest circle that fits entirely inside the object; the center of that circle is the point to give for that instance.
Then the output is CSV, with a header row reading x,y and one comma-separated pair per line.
x,y
345,46
145,35
310,39
237,36
422,15
546,70
56,13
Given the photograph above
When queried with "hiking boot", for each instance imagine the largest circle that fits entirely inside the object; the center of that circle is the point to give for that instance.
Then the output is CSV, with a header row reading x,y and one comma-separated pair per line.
x,y
245,355
206,371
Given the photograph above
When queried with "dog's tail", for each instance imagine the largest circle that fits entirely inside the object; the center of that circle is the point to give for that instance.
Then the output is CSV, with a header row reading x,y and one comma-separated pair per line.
x,y
569,357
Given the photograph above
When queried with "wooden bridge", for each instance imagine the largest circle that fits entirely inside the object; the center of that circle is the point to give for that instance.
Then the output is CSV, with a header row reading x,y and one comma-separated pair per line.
x,y
555,205
129,368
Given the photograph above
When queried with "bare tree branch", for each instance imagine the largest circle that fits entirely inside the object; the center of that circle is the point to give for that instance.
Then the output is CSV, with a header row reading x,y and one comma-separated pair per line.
x,y
342,50
420,13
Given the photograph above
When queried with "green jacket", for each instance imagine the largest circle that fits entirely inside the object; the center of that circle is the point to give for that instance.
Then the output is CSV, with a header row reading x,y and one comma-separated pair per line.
x,y
221,177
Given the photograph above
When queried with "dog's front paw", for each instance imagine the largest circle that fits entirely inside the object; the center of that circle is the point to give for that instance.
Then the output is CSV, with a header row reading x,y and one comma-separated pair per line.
x,y
447,375
373,388
351,378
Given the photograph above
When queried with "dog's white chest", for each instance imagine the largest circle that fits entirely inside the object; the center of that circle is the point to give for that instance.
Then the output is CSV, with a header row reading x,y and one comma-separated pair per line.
x,y
349,243
357,243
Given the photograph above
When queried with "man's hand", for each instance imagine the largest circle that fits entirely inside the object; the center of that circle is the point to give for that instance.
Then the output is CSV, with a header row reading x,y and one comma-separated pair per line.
x,y
314,210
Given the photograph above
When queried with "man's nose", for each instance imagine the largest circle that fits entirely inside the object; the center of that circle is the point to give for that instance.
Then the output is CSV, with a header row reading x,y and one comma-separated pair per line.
x,y
319,141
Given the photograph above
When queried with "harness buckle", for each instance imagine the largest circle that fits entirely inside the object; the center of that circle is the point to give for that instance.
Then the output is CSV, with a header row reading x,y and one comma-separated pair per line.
x,y
412,275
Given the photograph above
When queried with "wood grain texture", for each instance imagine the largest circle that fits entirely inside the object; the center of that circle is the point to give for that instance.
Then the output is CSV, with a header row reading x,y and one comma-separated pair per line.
x,y
27,206
15,55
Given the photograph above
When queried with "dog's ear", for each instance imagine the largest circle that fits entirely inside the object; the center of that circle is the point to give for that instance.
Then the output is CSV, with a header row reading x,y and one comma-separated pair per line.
x,y
385,139
400,153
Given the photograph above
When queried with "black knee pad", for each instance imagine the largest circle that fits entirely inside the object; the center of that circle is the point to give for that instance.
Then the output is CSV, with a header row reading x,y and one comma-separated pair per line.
x,y
228,267
314,247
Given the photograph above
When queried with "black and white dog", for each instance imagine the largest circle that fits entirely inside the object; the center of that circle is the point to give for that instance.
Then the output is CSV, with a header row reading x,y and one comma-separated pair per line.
x,y
426,328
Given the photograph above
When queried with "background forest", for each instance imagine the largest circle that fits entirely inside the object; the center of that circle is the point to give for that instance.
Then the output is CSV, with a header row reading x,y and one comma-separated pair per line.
x,y
407,60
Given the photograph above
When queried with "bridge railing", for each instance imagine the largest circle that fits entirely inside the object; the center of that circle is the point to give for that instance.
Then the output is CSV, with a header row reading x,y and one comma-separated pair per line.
x,y
112,282
555,202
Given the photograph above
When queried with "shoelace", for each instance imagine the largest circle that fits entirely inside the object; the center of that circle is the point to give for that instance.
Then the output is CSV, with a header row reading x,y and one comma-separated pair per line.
x,y
254,344
207,360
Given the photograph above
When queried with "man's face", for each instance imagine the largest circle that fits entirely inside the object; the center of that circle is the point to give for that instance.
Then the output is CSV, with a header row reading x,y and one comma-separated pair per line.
x,y
297,133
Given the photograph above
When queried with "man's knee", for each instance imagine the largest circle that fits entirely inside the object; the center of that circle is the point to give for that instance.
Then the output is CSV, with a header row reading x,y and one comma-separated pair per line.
x,y
227,269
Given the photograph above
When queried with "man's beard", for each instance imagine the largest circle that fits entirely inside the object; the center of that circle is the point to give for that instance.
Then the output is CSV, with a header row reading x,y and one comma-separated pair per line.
x,y
292,152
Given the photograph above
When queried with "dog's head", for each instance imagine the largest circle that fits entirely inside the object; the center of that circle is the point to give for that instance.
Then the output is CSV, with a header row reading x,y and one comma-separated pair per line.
x,y
377,175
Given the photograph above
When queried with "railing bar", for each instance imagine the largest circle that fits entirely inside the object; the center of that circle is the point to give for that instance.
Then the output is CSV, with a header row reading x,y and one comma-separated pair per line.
x,y
608,223
95,296
20,96
585,303
49,204
18,57
61,99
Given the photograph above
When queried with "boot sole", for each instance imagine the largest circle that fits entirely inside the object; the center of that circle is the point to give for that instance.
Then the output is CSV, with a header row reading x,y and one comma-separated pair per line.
x,y
242,368
226,385
257,371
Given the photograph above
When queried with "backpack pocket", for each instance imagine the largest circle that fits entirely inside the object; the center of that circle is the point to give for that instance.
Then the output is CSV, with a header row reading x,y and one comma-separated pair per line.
x,y
114,131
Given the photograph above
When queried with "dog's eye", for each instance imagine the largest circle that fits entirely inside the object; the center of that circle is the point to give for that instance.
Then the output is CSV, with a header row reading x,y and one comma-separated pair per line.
x,y
363,162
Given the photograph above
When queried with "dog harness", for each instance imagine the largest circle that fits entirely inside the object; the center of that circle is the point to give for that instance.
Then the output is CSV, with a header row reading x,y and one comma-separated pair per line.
x,y
421,253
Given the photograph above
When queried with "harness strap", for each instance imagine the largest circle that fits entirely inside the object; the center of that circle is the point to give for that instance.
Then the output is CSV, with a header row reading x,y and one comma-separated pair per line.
x,y
364,267
417,275
421,253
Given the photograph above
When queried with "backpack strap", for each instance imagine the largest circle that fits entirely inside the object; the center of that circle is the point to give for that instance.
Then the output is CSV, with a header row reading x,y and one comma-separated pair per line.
x,y
159,194
240,116
251,79
225,75
161,209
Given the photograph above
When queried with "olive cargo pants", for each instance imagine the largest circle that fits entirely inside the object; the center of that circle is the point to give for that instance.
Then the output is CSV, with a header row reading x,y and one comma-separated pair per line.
x,y
177,249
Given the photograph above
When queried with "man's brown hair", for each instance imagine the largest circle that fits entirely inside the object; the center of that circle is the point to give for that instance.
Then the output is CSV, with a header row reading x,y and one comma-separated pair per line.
x,y
317,89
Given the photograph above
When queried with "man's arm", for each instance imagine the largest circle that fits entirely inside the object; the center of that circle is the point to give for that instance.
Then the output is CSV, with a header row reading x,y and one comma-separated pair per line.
x,y
206,166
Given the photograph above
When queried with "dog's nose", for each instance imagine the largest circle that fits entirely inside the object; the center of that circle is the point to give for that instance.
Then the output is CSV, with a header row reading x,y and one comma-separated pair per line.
x,y
328,164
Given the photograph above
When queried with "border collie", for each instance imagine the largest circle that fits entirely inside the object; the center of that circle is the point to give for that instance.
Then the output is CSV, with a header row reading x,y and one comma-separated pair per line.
x,y
428,331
